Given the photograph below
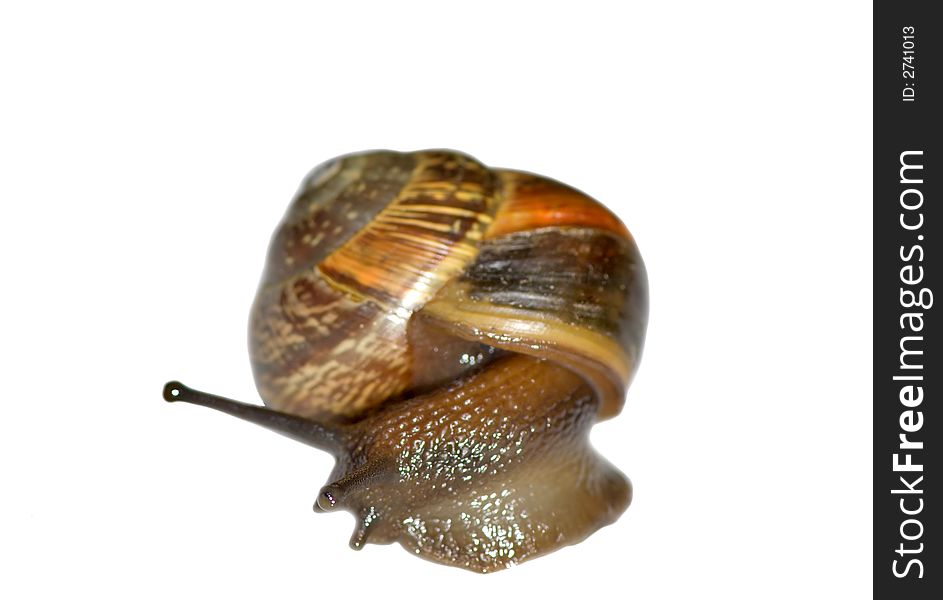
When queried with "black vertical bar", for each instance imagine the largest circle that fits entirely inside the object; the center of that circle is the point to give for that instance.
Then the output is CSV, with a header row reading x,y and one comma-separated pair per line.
x,y
908,372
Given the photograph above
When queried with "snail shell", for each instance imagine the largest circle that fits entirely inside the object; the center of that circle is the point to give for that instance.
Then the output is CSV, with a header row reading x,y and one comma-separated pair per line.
x,y
451,333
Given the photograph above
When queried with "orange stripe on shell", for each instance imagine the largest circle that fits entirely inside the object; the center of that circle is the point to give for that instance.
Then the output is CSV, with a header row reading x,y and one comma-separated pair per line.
x,y
532,202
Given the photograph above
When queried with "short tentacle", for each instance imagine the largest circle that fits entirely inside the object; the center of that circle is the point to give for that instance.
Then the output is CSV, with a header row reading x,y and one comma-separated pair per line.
x,y
335,494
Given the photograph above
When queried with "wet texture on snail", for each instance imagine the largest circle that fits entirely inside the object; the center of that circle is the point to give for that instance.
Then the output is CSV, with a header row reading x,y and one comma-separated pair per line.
x,y
450,333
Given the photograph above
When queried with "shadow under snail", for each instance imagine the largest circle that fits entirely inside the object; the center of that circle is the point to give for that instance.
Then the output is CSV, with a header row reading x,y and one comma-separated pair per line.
x,y
450,333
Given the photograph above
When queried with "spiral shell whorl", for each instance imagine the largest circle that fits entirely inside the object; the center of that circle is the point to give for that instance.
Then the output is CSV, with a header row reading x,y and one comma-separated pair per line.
x,y
379,235
382,244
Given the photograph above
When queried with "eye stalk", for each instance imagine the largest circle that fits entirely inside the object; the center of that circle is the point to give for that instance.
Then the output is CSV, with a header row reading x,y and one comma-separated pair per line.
x,y
331,439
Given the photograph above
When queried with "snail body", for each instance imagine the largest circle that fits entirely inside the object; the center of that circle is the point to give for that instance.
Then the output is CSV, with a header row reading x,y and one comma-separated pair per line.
x,y
450,333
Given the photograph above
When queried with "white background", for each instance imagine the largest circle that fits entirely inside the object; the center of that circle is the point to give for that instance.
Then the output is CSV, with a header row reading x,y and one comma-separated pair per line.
x,y
147,152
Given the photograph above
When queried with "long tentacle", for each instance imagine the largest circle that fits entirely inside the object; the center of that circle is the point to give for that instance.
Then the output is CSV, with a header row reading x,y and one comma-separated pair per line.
x,y
332,439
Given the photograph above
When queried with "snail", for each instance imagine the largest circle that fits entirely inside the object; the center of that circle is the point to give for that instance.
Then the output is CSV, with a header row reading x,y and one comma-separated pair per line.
x,y
450,333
